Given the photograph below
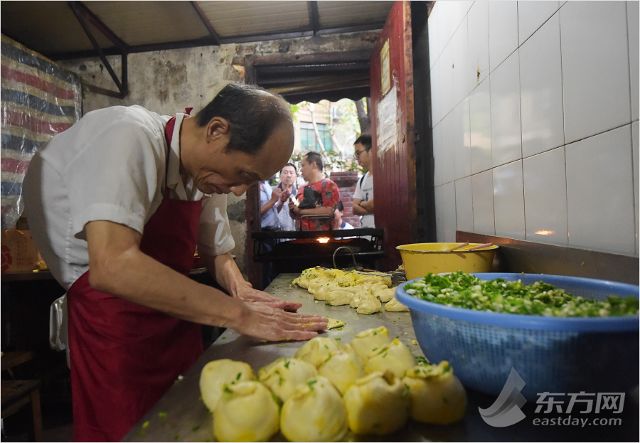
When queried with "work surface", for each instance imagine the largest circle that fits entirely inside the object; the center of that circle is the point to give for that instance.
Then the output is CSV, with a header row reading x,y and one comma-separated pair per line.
x,y
180,414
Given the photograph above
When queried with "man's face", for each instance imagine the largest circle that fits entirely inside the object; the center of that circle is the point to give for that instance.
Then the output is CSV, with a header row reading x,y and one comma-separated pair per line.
x,y
306,169
288,175
362,155
220,171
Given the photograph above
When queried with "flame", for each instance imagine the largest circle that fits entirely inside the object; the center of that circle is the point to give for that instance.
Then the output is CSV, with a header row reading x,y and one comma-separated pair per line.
x,y
544,232
323,240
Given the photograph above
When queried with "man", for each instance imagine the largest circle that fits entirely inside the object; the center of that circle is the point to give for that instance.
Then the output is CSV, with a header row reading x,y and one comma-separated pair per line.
x,y
115,206
363,195
268,199
318,198
289,190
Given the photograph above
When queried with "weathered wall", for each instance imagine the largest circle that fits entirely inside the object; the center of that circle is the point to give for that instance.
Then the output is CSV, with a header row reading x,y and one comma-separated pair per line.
x,y
167,81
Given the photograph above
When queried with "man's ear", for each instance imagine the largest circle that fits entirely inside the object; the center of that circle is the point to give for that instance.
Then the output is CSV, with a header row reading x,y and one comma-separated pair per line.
x,y
217,126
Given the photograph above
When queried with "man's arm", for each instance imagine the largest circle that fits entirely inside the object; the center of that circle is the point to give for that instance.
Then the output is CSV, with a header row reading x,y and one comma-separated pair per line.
x,y
358,207
118,266
275,196
325,211
227,274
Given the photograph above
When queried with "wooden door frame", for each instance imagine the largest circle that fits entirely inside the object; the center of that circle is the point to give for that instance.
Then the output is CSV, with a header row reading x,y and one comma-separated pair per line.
x,y
251,65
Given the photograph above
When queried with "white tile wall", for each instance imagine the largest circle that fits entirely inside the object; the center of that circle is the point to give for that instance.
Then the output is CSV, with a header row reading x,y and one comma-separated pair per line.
x,y
600,192
541,90
480,127
458,53
478,28
438,155
443,150
508,200
459,133
443,77
634,141
532,14
505,113
632,23
482,192
553,125
595,69
445,212
545,191
464,205
503,31
443,22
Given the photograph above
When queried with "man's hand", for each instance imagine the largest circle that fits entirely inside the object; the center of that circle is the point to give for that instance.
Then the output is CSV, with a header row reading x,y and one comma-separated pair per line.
x,y
251,295
294,209
276,194
284,195
264,322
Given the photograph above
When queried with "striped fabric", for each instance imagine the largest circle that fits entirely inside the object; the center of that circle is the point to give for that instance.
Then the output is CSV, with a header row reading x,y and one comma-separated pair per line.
x,y
39,100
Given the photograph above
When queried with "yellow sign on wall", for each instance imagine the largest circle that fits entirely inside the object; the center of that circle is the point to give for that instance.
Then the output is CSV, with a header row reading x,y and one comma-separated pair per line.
x,y
385,71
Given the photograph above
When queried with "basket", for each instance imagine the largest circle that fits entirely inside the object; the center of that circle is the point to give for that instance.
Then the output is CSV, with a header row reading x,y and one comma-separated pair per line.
x,y
551,354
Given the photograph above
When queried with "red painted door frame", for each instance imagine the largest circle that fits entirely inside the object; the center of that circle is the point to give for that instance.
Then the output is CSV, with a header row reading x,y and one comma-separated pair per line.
x,y
394,169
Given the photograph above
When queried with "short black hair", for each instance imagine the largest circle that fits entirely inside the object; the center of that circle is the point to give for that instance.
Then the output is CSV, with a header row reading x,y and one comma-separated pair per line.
x,y
290,164
340,206
314,157
252,112
364,140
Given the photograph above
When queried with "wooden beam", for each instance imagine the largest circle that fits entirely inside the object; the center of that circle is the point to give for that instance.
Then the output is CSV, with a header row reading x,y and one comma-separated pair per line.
x,y
99,24
314,20
208,41
215,38
122,86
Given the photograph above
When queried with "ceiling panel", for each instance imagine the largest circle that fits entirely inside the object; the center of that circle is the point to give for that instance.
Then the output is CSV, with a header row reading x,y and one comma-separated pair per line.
x,y
47,27
334,14
248,18
141,23
51,27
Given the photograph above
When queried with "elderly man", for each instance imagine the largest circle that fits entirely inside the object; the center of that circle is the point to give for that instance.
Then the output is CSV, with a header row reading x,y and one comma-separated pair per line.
x,y
116,207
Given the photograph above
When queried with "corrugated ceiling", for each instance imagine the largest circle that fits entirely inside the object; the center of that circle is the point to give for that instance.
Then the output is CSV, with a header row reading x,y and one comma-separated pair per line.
x,y
53,28
143,23
340,14
247,18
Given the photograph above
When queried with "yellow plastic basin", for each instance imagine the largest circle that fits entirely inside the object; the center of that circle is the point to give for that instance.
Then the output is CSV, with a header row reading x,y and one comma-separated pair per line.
x,y
419,259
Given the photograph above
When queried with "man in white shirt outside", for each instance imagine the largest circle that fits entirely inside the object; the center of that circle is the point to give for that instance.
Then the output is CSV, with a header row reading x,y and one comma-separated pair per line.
x,y
363,195
117,205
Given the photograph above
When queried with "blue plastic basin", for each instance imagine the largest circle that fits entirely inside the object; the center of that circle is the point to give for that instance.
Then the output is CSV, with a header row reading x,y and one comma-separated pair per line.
x,y
551,354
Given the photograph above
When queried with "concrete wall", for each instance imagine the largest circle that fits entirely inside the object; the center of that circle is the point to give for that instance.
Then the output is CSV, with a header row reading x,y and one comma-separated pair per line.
x,y
167,81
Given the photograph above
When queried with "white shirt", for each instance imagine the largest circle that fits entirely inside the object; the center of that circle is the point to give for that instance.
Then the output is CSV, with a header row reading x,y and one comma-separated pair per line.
x,y
365,193
111,166
270,218
287,223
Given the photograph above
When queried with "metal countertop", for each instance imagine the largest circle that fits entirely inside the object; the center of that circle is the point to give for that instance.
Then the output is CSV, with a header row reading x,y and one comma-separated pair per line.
x,y
180,414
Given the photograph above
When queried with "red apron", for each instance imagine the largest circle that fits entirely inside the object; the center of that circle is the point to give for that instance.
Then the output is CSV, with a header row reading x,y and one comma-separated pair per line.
x,y
124,356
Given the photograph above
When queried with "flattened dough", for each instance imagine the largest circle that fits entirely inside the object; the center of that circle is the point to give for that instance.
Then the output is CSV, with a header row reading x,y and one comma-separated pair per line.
x,y
334,323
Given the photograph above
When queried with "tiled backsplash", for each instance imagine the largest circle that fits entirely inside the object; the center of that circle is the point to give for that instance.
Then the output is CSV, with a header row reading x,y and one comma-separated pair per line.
x,y
535,121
